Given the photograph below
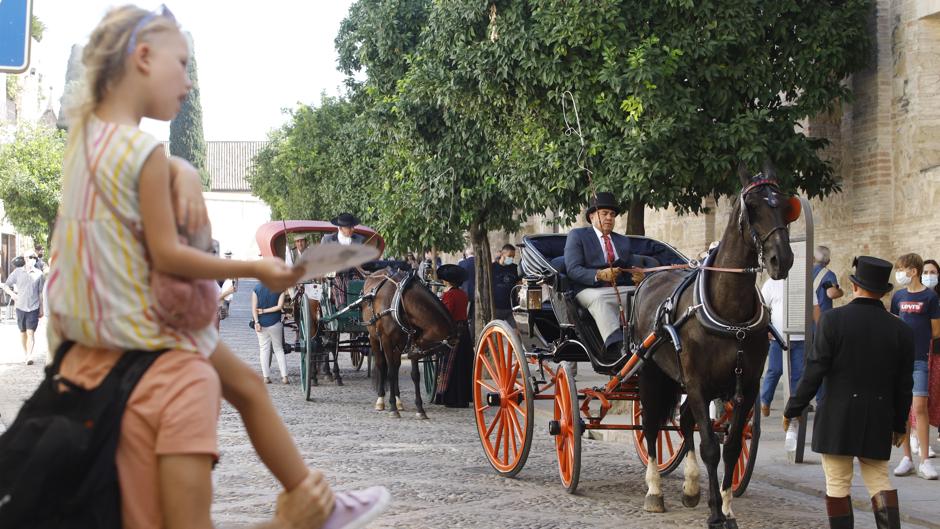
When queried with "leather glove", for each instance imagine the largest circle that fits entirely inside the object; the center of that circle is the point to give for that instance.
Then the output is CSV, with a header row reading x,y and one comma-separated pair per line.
x,y
897,438
637,277
608,275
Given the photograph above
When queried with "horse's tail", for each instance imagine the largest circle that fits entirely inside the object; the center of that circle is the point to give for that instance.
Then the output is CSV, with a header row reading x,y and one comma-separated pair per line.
x,y
659,390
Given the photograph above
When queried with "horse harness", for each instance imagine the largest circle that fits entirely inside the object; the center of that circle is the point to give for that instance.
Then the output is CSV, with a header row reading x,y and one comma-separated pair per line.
x,y
398,315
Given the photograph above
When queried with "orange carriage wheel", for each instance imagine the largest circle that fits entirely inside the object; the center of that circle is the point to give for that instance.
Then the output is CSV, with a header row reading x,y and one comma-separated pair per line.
x,y
567,428
502,398
670,445
750,438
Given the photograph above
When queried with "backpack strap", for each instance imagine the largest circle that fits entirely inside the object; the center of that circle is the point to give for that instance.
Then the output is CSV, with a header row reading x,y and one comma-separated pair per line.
x,y
53,369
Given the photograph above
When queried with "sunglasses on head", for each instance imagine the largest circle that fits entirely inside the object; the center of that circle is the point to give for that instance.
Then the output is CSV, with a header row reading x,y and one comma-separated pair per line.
x,y
162,11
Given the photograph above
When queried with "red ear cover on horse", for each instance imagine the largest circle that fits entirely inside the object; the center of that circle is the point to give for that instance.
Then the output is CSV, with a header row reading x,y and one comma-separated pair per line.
x,y
792,210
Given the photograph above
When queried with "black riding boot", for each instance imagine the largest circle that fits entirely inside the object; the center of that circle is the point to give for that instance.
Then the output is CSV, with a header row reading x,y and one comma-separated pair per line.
x,y
840,512
885,506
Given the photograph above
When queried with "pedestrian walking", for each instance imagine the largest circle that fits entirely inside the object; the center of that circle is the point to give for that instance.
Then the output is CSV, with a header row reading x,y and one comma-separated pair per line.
x,y
773,292
505,277
266,308
919,307
866,357
825,282
25,286
100,294
455,369
930,279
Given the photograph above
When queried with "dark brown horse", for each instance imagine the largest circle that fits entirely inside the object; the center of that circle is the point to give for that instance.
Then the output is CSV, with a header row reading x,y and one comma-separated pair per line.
x,y
756,235
404,316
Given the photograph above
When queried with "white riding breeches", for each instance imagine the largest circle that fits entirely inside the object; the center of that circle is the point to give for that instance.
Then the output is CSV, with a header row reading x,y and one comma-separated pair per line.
x,y
604,308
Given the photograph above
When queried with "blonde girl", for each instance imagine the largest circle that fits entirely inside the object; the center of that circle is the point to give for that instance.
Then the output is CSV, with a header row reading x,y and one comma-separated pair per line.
x,y
99,293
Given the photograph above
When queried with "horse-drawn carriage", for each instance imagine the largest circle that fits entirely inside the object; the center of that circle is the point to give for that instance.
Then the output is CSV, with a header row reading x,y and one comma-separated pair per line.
x,y
697,336
322,311
513,369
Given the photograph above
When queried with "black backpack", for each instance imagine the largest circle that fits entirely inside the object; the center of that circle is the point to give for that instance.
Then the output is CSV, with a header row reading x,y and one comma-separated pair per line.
x,y
57,459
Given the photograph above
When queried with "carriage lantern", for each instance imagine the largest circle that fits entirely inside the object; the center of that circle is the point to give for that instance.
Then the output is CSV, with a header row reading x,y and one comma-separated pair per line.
x,y
531,295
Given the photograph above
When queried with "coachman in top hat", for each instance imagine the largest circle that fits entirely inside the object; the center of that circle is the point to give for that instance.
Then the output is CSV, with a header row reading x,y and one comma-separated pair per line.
x,y
866,357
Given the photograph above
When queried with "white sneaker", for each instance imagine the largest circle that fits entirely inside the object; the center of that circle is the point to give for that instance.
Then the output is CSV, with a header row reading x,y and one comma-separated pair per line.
x,y
926,470
905,467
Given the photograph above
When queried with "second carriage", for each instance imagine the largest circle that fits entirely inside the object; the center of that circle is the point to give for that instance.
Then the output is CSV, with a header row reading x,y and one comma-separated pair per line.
x,y
513,369
322,311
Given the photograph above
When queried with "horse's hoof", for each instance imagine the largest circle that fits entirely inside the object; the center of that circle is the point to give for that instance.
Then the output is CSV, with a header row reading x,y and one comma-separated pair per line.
x,y
731,523
421,415
654,503
400,406
717,525
339,382
691,501
396,415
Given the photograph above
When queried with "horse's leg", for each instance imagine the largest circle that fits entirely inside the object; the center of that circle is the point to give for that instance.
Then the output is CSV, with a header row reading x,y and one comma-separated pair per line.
x,y
691,489
732,451
393,366
378,373
655,408
416,378
336,375
711,453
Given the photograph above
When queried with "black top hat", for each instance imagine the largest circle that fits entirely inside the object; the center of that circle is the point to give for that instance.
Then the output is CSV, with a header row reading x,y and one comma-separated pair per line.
x,y
453,274
872,274
345,220
601,200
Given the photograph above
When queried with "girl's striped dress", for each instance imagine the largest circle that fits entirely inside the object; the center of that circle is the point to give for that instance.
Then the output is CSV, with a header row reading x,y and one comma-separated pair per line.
x,y
99,282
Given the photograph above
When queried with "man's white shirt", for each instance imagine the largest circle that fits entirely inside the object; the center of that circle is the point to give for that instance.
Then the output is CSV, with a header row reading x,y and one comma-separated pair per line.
x,y
600,237
773,295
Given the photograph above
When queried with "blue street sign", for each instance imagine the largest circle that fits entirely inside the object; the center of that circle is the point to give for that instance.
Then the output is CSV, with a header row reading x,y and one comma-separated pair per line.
x,y
15,18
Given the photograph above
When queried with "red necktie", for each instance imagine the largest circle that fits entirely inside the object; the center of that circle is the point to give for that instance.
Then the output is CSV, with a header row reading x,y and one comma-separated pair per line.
x,y
609,249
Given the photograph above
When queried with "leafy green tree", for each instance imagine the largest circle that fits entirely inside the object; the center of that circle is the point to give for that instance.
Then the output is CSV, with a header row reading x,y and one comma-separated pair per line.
x,y
31,179
675,93
315,167
186,137
36,28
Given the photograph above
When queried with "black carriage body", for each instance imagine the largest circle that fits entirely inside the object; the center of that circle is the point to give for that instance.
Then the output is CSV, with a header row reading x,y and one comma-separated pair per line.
x,y
554,322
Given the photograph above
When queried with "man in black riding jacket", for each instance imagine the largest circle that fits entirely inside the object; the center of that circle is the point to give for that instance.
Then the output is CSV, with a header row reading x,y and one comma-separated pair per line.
x,y
866,357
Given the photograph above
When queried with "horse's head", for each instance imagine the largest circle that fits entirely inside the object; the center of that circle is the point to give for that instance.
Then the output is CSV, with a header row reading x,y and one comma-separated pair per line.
x,y
764,217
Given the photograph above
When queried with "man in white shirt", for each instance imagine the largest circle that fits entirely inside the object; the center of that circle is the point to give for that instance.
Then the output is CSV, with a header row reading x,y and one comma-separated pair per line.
x,y
773,292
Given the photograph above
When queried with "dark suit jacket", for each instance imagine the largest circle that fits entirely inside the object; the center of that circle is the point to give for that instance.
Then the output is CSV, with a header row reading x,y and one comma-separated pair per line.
x,y
334,237
866,357
584,256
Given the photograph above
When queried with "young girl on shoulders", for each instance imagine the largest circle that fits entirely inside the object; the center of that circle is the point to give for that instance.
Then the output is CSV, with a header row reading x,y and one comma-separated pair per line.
x,y
99,289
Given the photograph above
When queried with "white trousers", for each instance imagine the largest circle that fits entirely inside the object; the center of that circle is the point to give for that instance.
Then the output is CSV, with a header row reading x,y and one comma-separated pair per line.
x,y
603,306
268,338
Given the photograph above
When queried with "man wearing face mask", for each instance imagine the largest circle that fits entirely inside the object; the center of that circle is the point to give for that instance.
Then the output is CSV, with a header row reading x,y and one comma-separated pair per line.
x,y
505,276
919,307
25,287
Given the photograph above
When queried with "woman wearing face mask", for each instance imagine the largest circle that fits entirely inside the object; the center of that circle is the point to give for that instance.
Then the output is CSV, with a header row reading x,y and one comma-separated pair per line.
x,y
931,278
919,307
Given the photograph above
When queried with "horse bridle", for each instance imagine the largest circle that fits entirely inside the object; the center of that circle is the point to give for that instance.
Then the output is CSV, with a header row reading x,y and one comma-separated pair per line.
x,y
758,181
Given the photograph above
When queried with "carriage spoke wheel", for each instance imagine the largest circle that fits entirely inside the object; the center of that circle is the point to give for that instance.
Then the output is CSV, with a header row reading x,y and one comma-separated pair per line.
x,y
567,429
502,398
670,444
750,437
356,358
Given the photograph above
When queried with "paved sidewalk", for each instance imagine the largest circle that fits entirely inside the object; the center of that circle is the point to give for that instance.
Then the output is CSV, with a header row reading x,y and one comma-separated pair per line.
x,y
919,498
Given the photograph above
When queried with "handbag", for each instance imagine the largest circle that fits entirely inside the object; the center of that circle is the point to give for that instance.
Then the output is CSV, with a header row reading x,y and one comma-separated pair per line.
x,y
181,303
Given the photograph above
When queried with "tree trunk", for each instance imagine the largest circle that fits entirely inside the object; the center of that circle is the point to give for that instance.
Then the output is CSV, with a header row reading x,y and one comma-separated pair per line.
x,y
483,304
636,217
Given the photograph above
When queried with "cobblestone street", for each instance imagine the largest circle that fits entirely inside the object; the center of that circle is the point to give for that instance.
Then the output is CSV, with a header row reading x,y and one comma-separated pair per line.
x,y
435,469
